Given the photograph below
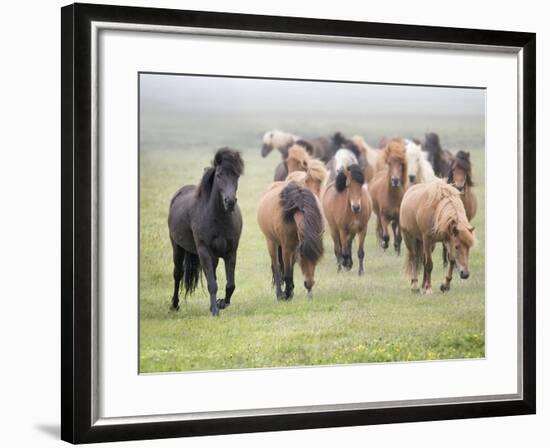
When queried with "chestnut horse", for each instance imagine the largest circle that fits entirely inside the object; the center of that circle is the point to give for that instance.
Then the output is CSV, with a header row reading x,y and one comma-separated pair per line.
x,y
290,218
387,189
348,206
312,178
430,213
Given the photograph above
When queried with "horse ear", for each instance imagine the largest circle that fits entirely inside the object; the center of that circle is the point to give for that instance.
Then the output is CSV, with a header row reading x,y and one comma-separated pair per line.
x,y
340,182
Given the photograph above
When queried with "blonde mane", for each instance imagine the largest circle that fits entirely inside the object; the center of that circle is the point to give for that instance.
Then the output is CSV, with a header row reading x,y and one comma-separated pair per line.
x,y
418,164
370,154
297,159
315,175
449,210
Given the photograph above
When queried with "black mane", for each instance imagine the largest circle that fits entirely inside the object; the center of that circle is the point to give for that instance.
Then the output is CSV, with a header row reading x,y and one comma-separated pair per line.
x,y
229,160
462,161
339,142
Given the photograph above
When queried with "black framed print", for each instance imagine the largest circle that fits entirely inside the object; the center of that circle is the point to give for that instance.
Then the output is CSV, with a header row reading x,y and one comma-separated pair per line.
x,y
276,223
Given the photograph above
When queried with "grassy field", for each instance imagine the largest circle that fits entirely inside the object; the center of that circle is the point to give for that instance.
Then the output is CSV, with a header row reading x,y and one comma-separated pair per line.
x,y
351,319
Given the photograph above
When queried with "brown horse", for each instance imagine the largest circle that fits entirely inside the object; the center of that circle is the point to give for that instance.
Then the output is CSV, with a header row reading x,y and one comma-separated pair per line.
x,y
369,154
387,189
290,218
312,178
460,176
430,213
348,206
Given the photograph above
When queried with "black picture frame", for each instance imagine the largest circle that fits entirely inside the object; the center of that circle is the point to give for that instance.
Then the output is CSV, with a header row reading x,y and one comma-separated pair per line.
x,y
76,223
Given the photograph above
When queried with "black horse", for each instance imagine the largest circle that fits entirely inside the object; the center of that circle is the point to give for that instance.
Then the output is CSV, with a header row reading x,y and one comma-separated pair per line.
x,y
439,158
205,225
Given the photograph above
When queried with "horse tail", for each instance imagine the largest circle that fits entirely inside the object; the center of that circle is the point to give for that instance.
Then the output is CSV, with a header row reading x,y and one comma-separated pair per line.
x,y
415,258
191,272
300,205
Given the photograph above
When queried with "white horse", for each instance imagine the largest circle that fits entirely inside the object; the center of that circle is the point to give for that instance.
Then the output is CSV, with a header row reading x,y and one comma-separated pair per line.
x,y
279,140
419,168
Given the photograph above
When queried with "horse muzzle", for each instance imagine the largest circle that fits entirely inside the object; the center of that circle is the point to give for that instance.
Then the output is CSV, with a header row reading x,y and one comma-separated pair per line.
x,y
395,182
412,178
356,208
460,188
266,149
229,204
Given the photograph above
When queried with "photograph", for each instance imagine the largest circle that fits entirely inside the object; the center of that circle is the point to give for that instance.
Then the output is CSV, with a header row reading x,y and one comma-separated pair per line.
x,y
293,222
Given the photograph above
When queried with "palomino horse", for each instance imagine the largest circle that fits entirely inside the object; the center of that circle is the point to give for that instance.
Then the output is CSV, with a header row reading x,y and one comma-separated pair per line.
x,y
290,218
348,206
439,158
387,190
430,213
418,167
205,225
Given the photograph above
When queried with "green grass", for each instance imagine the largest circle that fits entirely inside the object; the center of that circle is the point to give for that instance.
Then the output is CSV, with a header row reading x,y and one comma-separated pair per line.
x,y
351,319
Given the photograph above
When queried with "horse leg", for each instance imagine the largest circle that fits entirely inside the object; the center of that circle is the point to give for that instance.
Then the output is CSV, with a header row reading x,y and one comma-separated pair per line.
x,y
413,247
446,285
384,232
177,255
361,250
208,263
445,256
345,242
337,247
397,238
428,265
288,263
273,250
229,263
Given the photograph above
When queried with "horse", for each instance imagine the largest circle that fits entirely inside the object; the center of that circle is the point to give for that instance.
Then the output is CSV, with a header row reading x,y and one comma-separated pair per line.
x,y
347,206
439,158
387,189
279,140
369,154
430,213
289,216
322,148
460,176
342,159
205,225
313,178
418,167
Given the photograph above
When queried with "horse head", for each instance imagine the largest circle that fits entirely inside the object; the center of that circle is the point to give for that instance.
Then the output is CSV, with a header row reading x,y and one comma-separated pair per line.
x,y
396,160
351,178
460,174
461,240
414,154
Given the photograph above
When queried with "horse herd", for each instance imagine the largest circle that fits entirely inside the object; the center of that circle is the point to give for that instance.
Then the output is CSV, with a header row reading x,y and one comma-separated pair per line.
x,y
419,190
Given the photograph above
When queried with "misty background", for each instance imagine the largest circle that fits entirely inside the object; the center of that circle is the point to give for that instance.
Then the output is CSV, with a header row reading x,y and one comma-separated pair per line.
x,y
180,111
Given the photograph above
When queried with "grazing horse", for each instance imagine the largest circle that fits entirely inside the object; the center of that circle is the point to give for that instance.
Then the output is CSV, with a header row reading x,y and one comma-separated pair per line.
x,y
439,158
290,218
460,176
348,206
430,213
205,225
418,167
387,190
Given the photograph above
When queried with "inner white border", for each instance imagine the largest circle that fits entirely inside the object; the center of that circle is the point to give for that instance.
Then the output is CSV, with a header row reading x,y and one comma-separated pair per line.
x,y
122,392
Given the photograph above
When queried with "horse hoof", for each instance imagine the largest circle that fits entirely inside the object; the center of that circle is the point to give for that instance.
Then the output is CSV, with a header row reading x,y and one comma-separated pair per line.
x,y
428,291
174,307
221,304
309,295
385,245
361,272
444,288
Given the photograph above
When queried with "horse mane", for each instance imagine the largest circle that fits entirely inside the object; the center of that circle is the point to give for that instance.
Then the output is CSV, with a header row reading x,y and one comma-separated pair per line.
x,y
395,151
341,142
449,210
227,158
343,158
316,170
305,144
356,173
369,154
462,161
294,198
297,153
432,144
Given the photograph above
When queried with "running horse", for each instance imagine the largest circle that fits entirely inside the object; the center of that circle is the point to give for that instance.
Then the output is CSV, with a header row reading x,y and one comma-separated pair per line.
x,y
431,213
205,225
